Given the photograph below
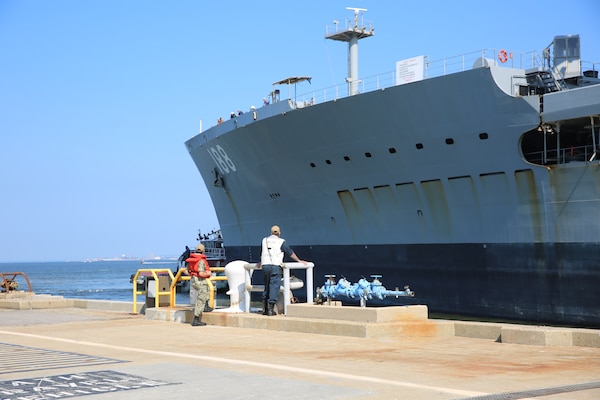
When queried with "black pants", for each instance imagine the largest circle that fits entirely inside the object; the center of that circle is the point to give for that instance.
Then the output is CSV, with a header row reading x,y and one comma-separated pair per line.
x,y
272,275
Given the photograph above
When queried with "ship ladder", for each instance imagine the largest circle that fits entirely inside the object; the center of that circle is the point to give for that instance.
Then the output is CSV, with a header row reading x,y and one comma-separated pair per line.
x,y
549,82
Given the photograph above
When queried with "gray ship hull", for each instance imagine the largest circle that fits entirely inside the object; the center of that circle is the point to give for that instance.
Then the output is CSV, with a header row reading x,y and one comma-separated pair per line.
x,y
435,184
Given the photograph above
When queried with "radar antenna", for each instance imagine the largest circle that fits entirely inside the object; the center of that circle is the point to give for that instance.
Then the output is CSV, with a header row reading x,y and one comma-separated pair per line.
x,y
356,12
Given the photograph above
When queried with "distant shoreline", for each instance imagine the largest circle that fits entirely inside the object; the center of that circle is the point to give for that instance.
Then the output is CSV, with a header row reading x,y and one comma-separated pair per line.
x,y
91,260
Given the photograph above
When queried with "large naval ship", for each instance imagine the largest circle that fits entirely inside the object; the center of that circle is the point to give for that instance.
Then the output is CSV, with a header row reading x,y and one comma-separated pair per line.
x,y
474,179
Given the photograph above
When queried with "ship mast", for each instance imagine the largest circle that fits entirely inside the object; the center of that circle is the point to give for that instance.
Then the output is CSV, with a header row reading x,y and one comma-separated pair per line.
x,y
351,34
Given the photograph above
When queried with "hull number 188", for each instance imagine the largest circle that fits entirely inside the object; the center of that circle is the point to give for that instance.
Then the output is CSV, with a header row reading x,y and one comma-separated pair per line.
x,y
222,160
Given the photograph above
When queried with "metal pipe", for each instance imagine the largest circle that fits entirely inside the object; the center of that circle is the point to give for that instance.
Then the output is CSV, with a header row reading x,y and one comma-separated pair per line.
x,y
353,65
363,289
593,133
545,153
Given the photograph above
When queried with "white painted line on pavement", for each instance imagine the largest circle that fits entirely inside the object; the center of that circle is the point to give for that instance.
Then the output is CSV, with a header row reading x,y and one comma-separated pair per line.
x,y
306,371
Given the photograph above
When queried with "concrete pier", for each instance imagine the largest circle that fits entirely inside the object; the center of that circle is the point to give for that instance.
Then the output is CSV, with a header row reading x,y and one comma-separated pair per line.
x,y
102,350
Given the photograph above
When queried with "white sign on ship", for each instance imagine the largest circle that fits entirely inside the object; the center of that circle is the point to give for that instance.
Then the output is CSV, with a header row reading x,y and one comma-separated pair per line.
x,y
410,70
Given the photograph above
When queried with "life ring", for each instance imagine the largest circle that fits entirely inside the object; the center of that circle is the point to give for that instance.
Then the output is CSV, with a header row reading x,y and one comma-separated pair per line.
x,y
502,56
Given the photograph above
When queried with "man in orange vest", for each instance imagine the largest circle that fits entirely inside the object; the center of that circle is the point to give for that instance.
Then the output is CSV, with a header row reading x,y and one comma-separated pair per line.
x,y
199,270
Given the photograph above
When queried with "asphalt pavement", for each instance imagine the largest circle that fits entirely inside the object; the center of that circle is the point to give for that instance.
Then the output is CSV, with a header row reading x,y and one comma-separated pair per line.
x,y
96,354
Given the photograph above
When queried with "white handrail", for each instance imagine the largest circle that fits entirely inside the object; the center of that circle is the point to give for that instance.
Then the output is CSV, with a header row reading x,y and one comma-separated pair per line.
x,y
432,69
286,282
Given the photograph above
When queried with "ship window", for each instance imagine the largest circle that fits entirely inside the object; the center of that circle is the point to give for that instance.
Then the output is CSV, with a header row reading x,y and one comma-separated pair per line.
x,y
449,141
573,47
368,155
419,146
491,173
346,158
312,164
328,162
392,150
483,136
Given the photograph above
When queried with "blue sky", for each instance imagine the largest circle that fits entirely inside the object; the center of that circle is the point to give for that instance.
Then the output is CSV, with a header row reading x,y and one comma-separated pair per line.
x,y
97,98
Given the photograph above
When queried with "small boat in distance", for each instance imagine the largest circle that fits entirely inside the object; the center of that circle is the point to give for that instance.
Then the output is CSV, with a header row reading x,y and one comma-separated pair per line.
x,y
215,255
213,249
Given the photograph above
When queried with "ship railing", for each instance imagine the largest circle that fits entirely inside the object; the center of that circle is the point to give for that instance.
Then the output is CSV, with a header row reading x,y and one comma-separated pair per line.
x,y
590,69
349,24
431,69
563,156
214,252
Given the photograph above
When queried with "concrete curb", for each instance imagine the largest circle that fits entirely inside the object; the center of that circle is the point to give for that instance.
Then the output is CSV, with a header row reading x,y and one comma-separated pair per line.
x,y
376,322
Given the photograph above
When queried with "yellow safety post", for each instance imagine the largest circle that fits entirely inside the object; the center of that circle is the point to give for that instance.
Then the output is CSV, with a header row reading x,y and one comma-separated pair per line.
x,y
211,287
154,273
211,293
172,288
178,277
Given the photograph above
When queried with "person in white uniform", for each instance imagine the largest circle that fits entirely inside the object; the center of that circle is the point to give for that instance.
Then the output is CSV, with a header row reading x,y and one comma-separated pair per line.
x,y
273,250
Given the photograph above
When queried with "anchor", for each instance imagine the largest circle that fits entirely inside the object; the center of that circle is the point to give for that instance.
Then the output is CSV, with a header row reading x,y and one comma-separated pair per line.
x,y
363,289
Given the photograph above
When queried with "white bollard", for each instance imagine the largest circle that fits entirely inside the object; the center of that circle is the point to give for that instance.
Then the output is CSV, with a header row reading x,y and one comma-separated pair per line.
x,y
235,273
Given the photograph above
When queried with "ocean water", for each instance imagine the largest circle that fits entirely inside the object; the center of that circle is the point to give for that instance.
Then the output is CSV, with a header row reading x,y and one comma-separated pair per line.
x,y
97,280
